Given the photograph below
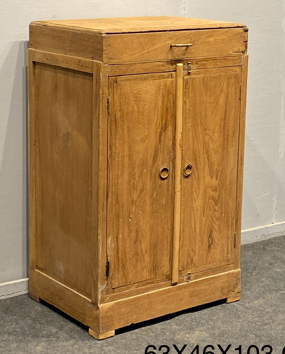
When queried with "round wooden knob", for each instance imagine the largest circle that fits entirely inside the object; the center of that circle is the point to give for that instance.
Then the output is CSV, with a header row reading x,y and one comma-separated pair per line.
x,y
164,172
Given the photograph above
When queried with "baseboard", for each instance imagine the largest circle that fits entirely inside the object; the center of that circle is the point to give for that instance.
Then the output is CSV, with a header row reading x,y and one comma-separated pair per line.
x,y
262,233
13,288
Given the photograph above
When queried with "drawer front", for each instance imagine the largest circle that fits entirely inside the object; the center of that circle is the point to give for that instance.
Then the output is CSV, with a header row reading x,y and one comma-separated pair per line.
x,y
155,46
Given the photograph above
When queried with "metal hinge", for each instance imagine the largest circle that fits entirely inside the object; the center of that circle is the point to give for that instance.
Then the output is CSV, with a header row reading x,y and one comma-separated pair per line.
x,y
108,105
240,92
235,240
107,268
189,68
188,277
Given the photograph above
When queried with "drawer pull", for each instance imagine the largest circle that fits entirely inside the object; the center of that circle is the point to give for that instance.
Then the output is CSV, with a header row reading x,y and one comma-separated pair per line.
x,y
181,45
187,170
164,172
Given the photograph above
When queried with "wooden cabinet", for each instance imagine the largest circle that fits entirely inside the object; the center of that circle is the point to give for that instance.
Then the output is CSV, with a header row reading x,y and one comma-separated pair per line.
x,y
136,140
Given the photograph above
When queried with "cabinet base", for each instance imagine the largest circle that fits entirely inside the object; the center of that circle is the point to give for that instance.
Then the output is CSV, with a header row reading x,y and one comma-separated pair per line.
x,y
104,319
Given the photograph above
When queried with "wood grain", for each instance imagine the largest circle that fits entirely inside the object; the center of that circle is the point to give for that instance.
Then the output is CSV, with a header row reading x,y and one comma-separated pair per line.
x,y
77,43
32,162
200,274
139,24
168,300
164,66
63,114
155,46
64,298
210,144
63,61
245,38
140,207
110,105
103,186
137,289
95,239
84,42
235,295
177,177
241,145
100,336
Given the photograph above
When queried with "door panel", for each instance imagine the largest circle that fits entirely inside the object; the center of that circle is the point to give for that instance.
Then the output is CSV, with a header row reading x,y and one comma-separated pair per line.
x,y
140,203
210,145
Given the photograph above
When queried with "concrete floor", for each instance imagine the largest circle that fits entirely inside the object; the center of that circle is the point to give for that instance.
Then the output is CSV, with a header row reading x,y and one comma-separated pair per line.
x,y
257,319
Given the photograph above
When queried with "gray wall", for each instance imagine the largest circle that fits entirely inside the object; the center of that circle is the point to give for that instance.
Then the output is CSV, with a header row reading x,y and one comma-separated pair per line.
x,y
264,184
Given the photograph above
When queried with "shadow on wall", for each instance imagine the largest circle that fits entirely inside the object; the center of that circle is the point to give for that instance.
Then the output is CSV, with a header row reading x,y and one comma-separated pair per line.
x,y
13,166
260,208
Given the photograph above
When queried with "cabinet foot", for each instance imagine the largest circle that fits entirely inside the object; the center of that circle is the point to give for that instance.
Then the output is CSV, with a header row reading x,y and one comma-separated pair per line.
x,y
235,294
233,298
34,297
101,335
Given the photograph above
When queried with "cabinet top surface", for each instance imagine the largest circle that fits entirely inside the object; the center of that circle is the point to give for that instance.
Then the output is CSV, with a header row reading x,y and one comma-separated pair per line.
x,y
138,24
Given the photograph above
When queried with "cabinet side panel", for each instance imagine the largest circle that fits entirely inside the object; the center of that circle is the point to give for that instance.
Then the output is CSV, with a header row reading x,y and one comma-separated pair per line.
x,y
210,140
63,114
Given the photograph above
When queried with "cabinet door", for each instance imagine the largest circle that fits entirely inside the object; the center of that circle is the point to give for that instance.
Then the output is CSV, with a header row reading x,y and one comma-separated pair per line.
x,y
140,201
210,145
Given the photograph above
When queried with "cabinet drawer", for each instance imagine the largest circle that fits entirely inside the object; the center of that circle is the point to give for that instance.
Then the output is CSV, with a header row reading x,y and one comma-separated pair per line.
x,y
155,46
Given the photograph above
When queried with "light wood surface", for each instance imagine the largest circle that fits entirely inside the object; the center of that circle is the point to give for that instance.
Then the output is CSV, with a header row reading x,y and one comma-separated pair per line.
x,y
164,66
168,300
241,158
98,100
32,295
101,171
136,47
138,288
236,293
83,44
63,114
177,177
245,38
139,24
112,107
32,162
140,144
63,61
155,46
63,297
110,316
210,145
101,335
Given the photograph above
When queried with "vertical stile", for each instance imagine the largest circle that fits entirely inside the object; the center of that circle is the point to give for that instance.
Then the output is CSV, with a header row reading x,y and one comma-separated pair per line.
x,y
31,162
97,69
178,161
241,158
